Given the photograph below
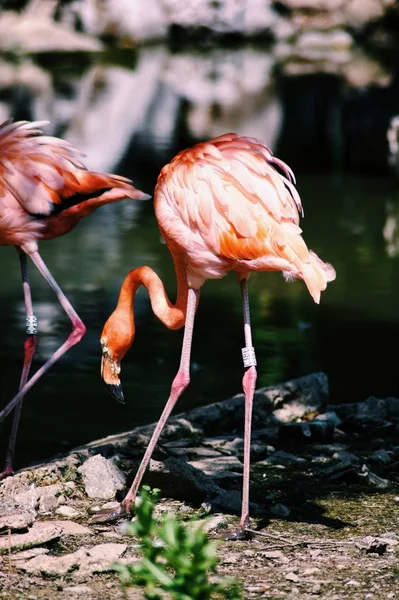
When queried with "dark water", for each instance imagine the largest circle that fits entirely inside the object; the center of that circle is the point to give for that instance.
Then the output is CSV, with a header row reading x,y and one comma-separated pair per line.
x,y
351,210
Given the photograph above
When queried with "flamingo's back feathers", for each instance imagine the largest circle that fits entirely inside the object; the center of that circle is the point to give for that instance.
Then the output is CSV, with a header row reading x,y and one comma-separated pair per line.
x,y
230,200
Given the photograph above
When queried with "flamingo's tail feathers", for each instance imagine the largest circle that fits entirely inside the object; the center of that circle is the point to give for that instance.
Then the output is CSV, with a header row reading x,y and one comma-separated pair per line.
x,y
316,275
89,181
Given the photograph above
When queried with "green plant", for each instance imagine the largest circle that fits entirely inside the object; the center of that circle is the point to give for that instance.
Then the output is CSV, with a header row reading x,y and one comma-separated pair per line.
x,y
177,558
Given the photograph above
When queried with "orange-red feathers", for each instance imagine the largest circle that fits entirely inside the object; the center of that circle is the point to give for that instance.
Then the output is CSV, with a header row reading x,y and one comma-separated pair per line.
x,y
39,174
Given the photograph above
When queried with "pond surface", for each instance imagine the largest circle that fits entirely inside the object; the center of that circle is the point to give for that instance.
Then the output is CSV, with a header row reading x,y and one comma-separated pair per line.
x,y
132,121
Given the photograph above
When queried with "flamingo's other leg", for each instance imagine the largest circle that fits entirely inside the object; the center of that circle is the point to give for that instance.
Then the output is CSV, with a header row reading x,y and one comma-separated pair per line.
x,y
179,384
78,331
248,384
30,346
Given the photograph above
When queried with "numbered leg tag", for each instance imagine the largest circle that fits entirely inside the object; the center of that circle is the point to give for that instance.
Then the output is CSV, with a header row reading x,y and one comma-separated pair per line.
x,y
248,356
31,325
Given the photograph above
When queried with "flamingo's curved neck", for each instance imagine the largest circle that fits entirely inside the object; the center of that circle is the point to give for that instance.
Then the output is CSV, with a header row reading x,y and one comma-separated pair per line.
x,y
171,315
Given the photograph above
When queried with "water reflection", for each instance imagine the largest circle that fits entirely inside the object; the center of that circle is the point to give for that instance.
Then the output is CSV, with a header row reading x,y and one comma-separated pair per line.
x,y
131,118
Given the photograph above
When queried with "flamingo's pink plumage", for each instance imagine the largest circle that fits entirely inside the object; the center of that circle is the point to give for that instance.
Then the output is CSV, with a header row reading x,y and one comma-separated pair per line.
x,y
223,205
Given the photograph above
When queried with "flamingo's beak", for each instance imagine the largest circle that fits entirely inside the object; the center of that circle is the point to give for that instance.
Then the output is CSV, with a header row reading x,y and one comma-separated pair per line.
x,y
116,391
110,370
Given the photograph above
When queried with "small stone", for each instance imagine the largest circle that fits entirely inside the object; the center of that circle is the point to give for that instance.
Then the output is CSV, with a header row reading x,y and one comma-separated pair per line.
x,y
321,460
67,511
381,457
14,516
370,544
273,554
330,416
113,535
372,479
352,582
47,503
79,590
110,505
194,453
230,502
390,537
308,432
215,524
311,571
180,480
280,456
212,466
101,478
292,577
280,510
31,553
71,528
346,457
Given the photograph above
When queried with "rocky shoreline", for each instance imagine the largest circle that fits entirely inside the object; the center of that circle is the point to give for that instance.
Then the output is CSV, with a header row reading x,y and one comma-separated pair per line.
x,y
324,493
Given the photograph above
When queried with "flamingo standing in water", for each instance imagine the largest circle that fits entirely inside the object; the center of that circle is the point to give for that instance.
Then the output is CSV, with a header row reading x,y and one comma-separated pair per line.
x,y
223,205
45,190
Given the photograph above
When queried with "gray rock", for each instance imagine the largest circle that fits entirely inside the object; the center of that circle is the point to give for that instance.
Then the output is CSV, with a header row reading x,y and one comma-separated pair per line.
x,y
381,457
71,528
280,510
79,564
214,524
79,590
212,466
47,504
31,553
339,470
308,432
371,544
392,406
372,409
225,443
194,452
43,498
40,533
101,478
346,457
273,555
230,502
281,457
14,516
67,511
372,479
180,480
227,479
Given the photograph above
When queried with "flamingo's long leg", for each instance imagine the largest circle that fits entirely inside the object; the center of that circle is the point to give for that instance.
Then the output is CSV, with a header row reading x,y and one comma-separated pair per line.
x,y
30,346
78,330
248,384
179,384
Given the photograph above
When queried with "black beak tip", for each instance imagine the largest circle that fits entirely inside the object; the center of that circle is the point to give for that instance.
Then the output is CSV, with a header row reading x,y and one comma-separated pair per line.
x,y
116,392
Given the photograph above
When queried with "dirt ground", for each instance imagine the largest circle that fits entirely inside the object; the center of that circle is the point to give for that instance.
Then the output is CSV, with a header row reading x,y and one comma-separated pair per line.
x,y
325,525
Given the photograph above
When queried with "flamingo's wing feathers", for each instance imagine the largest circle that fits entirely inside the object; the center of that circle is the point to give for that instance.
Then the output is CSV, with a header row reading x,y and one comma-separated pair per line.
x,y
41,171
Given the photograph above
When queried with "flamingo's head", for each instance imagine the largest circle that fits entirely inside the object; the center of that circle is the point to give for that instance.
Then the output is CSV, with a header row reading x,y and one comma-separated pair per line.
x,y
116,338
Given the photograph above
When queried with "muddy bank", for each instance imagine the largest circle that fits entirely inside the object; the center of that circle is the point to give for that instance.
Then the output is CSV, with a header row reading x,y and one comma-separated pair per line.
x,y
324,493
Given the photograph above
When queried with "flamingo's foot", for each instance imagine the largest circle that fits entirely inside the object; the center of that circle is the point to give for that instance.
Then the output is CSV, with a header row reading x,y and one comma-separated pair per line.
x,y
8,472
237,535
110,515
241,534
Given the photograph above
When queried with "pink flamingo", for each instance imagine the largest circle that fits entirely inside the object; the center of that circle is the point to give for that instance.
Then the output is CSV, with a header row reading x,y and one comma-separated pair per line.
x,y
223,205
45,191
